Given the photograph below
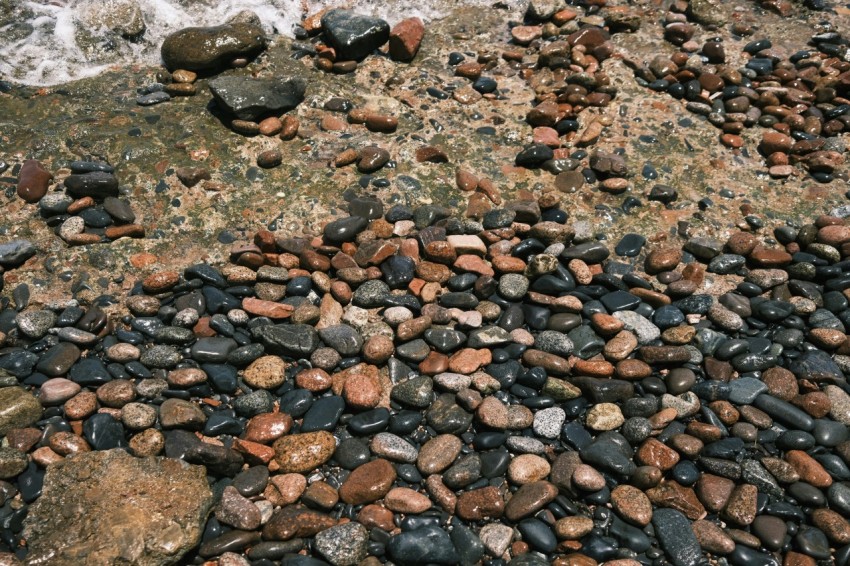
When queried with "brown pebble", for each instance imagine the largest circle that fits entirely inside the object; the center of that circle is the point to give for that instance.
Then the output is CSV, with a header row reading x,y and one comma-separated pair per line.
x,y
480,504
270,158
632,504
368,483
33,181
271,126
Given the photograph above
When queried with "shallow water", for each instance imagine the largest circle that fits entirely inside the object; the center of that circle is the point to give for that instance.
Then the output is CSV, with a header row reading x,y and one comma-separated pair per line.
x,y
47,43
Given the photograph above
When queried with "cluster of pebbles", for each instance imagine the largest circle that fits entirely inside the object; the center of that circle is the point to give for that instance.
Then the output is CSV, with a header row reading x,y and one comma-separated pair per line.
x,y
426,389
84,207
800,99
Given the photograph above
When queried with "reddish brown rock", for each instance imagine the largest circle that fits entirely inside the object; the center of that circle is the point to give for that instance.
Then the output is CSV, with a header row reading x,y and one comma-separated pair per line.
x,y
304,452
267,427
676,496
362,390
160,281
529,499
836,527
376,516
655,453
405,38
714,491
773,141
270,309
810,470
632,504
741,507
125,231
664,259
368,483
33,181
296,521
406,500
480,504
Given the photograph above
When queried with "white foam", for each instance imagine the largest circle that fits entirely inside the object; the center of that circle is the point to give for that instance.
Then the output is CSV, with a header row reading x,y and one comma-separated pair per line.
x,y
52,52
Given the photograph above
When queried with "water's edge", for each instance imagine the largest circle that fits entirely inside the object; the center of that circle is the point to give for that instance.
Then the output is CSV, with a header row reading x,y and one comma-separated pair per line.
x,y
49,43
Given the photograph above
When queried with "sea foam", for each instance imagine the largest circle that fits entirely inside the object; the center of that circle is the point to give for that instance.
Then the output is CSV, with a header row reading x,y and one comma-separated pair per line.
x,y
47,43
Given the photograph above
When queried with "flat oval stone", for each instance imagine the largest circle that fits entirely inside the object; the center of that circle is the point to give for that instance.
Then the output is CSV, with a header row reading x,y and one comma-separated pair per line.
x,y
302,453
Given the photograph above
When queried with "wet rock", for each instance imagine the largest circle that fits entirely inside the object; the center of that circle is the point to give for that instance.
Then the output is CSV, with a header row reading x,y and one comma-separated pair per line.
x,y
405,38
354,36
208,48
126,509
248,98
33,181
18,409
343,545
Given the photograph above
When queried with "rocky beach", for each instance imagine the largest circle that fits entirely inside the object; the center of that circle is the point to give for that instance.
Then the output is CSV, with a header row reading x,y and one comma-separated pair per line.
x,y
468,283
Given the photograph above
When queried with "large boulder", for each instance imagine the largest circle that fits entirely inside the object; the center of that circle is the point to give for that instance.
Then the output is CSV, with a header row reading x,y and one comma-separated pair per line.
x,y
248,98
204,49
112,508
354,36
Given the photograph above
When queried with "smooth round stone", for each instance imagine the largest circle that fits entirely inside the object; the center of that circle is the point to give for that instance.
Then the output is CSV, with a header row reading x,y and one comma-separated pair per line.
x,y
744,390
498,218
725,264
35,324
89,371
829,433
219,424
630,245
255,403
393,448
807,494
405,422
600,548
548,422
513,286
813,542
58,359
746,556
668,316
371,294
213,350
55,203
342,338
351,453
369,422
323,414
12,462
795,440
538,535
445,339
534,156
103,432
344,229
677,538
426,544
57,390
636,429
680,380
138,416
686,473
95,217
161,357
119,209
838,495
494,463
416,392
